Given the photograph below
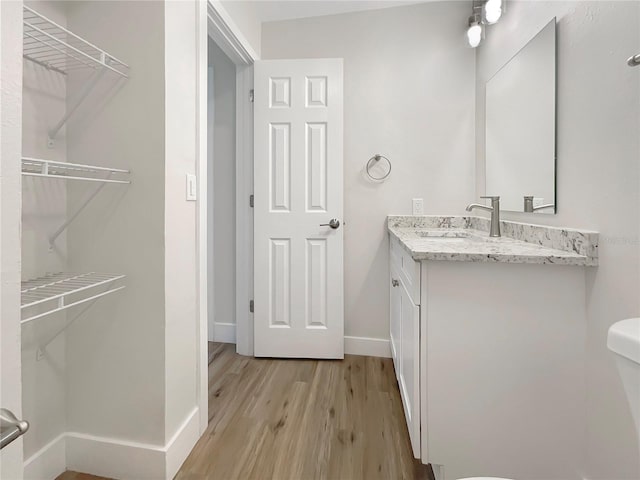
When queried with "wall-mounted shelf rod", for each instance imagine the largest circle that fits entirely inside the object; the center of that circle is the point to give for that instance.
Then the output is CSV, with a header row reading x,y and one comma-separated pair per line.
x,y
71,218
90,85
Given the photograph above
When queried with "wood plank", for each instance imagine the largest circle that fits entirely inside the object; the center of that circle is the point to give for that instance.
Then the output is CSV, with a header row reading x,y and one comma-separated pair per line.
x,y
70,475
300,420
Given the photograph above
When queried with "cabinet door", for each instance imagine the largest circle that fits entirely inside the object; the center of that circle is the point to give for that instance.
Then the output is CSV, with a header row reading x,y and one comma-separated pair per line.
x,y
409,380
395,316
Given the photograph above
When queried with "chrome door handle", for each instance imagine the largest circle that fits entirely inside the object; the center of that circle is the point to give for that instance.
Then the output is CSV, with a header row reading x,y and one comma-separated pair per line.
x,y
394,282
333,223
10,427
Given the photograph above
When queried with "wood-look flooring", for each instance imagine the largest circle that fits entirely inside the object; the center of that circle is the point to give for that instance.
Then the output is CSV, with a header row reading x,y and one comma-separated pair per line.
x,y
273,419
69,475
215,349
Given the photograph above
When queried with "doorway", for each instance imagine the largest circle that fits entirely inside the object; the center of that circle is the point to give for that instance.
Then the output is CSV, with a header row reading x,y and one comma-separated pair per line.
x,y
219,324
221,221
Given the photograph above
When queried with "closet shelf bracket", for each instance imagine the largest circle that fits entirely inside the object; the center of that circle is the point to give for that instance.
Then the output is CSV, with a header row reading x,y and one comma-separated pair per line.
x,y
63,227
88,87
36,167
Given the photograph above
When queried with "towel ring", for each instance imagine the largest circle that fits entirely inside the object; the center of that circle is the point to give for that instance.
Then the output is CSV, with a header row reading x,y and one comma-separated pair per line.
x,y
373,161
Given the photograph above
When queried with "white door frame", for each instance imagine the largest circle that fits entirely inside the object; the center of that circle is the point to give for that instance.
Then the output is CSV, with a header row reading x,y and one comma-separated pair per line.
x,y
222,30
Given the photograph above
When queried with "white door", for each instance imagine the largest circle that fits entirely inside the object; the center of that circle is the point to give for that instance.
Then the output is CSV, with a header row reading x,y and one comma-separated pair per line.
x,y
298,188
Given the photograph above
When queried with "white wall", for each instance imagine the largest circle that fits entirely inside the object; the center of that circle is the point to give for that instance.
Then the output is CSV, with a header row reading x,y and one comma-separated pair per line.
x,y
247,25
222,202
409,94
116,352
10,193
248,16
598,187
44,209
132,359
181,139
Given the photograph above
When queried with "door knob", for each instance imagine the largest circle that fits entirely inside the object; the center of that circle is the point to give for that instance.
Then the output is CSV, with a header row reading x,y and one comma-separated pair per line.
x,y
333,223
10,427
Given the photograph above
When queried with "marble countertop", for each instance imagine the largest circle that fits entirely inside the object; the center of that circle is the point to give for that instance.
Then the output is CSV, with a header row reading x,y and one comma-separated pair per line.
x,y
467,239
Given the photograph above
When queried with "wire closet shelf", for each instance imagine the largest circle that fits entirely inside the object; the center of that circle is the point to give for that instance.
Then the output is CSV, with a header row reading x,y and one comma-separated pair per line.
x,y
56,48
53,291
37,167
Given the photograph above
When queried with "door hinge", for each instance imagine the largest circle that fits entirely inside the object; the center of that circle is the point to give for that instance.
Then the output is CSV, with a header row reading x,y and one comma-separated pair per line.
x,y
251,306
251,95
251,201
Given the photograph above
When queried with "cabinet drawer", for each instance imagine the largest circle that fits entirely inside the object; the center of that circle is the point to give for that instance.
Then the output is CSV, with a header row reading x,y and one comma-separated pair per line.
x,y
408,269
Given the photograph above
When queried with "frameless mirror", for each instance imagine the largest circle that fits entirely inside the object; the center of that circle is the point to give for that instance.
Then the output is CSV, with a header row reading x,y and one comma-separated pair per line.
x,y
521,127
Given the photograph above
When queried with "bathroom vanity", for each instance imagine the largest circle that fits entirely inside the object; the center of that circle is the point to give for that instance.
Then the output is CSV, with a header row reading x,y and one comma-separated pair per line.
x,y
488,343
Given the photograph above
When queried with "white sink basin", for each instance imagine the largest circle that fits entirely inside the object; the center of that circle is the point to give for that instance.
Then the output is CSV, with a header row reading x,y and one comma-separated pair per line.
x,y
442,235
449,236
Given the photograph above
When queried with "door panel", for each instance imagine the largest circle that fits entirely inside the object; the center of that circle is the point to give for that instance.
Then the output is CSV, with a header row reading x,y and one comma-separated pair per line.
x,y
298,189
409,366
395,317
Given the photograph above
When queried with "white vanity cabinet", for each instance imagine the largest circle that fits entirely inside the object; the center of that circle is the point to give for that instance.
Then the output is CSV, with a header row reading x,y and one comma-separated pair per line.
x,y
489,358
404,334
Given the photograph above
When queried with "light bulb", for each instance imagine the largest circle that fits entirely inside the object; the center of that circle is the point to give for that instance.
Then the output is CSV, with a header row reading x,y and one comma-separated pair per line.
x,y
474,35
492,11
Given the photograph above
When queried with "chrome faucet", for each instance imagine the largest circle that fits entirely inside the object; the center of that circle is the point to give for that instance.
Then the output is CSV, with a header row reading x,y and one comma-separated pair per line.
x,y
494,230
528,205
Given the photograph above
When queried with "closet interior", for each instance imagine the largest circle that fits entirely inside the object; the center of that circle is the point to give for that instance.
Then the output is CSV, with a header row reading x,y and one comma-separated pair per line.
x,y
88,115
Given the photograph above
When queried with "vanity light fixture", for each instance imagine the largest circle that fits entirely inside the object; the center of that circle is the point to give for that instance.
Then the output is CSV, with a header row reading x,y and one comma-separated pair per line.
x,y
485,12
492,11
474,33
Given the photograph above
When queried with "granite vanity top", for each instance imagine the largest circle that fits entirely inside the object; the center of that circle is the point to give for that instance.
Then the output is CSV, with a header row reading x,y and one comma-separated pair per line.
x,y
466,239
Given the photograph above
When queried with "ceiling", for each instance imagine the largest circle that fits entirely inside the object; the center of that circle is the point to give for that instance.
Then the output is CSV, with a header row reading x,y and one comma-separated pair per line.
x,y
270,11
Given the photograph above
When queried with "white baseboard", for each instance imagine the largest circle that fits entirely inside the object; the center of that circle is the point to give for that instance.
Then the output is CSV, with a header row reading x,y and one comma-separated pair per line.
x,y
371,347
48,462
224,332
181,444
114,458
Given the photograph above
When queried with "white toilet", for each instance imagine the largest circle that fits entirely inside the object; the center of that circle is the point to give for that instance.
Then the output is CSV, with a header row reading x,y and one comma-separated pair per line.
x,y
624,341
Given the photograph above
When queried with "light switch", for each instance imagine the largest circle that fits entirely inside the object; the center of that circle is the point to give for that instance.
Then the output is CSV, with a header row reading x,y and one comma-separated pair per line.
x,y
418,206
192,189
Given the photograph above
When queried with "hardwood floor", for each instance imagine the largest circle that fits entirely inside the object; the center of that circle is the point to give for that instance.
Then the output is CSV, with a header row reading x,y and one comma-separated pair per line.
x,y
69,475
215,349
301,420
